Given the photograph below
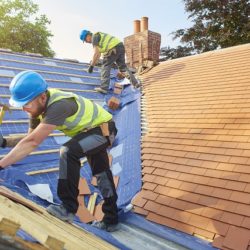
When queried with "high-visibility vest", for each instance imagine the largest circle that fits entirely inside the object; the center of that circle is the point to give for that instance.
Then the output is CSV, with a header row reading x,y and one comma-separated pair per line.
x,y
107,42
88,114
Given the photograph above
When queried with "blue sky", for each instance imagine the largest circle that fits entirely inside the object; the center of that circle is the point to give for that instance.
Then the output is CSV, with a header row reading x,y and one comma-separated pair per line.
x,y
115,17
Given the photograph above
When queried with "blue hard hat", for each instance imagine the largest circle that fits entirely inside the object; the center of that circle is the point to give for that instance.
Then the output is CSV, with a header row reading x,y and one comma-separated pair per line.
x,y
26,86
83,34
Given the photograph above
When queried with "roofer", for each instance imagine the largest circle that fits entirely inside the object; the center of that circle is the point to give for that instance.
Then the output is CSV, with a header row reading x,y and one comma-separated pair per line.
x,y
89,126
113,51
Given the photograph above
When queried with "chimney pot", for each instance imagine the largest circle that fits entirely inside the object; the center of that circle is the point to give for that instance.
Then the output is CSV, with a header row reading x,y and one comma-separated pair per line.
x,y
144,23
137,26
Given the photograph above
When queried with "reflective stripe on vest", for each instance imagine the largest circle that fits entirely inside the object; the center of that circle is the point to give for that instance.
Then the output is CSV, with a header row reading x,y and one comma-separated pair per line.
x,y
107,42
82,119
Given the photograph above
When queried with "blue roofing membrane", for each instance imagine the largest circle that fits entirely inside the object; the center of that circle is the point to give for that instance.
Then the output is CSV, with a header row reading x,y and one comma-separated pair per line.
x,y
125,151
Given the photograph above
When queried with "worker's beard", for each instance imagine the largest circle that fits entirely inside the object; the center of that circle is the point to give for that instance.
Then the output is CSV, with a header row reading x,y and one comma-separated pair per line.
x,y
40,109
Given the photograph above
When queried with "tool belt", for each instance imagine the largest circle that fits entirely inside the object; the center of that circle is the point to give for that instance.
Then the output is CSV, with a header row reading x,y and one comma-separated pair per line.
x,y
109,130
106,129
110,52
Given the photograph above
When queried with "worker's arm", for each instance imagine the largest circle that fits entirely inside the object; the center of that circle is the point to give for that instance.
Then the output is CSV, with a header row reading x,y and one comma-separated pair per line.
x,y
27,144
12,141
95,59
96,56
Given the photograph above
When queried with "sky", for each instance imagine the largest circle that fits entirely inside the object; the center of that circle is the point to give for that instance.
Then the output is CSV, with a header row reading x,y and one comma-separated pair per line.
x,y
115,17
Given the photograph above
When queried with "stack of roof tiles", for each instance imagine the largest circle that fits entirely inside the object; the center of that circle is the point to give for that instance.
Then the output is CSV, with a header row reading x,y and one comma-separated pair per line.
x,y
196,150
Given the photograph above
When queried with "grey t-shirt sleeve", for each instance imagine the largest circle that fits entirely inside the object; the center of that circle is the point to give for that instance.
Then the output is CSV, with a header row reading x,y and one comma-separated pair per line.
x,y
96,39
59,111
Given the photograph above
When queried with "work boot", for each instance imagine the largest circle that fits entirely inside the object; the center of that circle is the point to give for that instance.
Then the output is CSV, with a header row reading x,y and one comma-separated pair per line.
x,y
104,226
101,90
129,75
137,85
61,213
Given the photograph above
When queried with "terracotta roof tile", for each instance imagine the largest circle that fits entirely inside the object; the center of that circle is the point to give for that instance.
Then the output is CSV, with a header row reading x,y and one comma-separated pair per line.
x,y
194,208
173,183
233,219
166,211
206,190
235,185
246,223
218,227
226,205
84,214
212,213
98,213
188,186
160,180
162,190
181,216
139,201
221,193
165,200
208,201
148,177
244,178
140,211
247,189
242,209
218,241
152,206
204,233
161,220
83,187
196,151
240,197
149,186
186,228
148,170
242,236
147,194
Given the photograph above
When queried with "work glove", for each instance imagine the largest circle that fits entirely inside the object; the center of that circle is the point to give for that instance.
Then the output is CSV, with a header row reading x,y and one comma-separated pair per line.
x,y
90,69
2,142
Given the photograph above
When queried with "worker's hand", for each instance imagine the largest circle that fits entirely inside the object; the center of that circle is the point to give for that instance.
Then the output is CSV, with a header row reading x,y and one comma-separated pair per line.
x,y
2,142
90,69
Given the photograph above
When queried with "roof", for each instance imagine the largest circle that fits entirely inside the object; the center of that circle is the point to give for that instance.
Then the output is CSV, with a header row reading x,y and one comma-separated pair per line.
x,y
196,146
41,166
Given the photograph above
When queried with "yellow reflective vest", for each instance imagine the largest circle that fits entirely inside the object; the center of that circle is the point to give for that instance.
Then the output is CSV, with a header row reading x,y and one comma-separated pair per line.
x,y
88,115
107,42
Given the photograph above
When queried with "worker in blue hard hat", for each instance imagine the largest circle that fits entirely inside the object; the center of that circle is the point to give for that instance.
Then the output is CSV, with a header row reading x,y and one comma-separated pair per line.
x,y
91,129
113,51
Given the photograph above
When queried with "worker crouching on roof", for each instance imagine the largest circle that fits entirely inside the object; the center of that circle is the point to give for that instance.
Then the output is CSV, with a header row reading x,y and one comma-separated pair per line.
x,y
113,51
88,125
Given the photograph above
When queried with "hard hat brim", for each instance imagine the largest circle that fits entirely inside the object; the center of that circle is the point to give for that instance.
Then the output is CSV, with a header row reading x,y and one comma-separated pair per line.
x,y
17,104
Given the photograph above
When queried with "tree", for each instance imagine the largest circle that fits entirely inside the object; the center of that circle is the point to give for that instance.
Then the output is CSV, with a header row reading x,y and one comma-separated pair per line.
x,y
217,24
21,30
168,53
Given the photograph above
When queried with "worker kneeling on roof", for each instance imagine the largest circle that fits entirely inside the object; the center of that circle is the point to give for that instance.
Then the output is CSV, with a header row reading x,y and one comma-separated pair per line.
x,y
89,126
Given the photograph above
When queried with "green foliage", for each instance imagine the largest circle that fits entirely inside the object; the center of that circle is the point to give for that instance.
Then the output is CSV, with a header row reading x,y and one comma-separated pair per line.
x,y
216,24
168,53
21,30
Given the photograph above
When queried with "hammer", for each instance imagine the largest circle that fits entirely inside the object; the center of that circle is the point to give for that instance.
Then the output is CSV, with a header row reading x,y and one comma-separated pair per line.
x,y
3,108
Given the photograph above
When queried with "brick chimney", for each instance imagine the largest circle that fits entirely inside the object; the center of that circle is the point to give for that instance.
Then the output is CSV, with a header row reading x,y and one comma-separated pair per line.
x,y
143,47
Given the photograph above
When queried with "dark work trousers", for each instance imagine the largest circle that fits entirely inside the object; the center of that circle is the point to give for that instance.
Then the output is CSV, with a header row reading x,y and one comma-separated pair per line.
x,y
115,55
93,145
